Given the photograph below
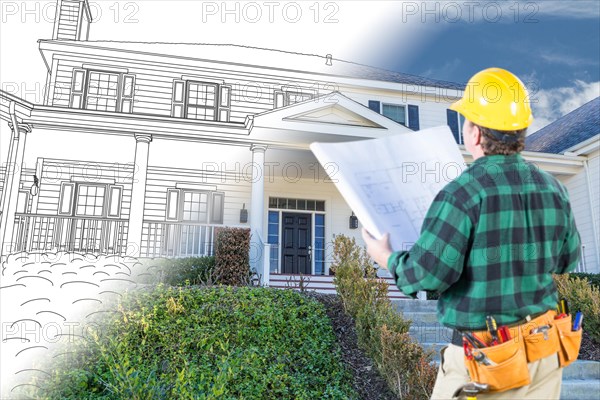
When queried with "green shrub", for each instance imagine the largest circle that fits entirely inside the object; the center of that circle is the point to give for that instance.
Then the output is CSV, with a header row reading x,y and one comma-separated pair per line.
x,y
232,256
205,343
583,297
381,331
593,279
179,271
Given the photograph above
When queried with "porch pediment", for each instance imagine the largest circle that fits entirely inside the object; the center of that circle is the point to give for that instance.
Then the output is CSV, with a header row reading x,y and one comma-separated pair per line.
x,y
332,117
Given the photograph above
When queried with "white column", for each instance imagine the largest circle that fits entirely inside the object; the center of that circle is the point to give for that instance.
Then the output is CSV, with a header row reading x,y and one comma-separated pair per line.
x,y
138,195
257,207
10,191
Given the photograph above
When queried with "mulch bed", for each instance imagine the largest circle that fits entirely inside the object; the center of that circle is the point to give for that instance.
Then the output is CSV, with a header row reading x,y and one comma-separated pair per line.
x,y
366,380
590,350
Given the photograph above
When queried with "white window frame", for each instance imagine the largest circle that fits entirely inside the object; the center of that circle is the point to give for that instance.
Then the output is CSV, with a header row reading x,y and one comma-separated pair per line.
x,y
187,97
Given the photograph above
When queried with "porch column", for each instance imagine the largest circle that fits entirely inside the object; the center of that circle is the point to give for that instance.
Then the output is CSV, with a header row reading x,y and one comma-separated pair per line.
x,y
257,206
10,191
138,195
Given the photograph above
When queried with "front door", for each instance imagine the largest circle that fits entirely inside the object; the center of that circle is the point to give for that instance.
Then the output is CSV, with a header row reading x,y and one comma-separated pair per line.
x,y
296,240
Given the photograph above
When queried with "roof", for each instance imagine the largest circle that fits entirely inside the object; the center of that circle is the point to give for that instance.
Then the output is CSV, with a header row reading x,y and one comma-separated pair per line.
x,y
576,127
266,58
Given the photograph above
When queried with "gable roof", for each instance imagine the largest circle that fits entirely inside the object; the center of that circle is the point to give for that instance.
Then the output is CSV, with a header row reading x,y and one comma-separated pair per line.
x,y
576,127
264,58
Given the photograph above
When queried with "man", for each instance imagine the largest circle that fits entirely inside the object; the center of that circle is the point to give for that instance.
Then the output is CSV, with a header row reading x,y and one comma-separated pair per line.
x,y
492,238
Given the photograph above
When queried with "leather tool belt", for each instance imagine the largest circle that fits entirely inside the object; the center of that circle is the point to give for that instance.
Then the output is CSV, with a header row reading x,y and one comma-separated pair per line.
x,y
504,366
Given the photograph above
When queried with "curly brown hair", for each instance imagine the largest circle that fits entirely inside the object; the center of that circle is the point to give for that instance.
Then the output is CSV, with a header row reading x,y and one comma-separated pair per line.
x,y
502,142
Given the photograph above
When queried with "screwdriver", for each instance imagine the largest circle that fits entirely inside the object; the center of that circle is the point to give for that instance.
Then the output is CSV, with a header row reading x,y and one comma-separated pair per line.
x,y
492,327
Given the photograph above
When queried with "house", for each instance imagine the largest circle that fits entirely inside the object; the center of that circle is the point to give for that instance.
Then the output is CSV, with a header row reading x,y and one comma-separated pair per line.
x,y
578,134
143,149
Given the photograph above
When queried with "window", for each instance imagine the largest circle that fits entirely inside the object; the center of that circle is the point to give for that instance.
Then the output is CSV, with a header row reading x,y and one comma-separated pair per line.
x,y
296,204
394,112
195,206
102,90
202,101
273,240
90,200
283,98
319,253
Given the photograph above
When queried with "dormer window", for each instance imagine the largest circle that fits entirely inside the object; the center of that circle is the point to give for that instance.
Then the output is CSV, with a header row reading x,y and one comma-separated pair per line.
x,y
288,96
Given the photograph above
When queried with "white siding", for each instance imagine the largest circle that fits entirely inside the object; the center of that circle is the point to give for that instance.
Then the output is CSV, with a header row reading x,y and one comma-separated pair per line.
x,y
584,211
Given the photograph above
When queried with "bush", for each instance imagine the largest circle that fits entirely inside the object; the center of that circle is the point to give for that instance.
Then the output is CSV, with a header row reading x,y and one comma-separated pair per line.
x,y
381,331
583,297
180,271
208,343
232,256
593,279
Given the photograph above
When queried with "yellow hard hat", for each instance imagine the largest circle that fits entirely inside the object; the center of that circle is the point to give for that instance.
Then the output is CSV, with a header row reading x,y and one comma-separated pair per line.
x,y
495,98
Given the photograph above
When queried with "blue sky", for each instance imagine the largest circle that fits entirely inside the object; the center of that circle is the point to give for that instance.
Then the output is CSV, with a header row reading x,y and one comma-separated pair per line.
x,y
553,46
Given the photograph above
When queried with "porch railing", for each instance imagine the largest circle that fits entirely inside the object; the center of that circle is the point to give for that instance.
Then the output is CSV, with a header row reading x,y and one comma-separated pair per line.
x,y
177,239
53,232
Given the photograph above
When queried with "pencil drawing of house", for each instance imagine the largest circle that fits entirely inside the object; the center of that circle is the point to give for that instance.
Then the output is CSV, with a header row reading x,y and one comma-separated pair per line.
x,y
145,149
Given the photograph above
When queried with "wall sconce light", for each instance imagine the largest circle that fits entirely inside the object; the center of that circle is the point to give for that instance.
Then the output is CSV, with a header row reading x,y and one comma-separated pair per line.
x,y
35,188
243,214
353,222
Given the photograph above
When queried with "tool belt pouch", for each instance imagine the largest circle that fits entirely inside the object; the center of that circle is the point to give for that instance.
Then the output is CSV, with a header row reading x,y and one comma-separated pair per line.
x,y
509,370
570,341
542,344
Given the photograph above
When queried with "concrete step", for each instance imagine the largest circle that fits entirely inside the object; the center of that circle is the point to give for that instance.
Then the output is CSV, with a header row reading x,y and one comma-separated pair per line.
x,y
430,332
580,389
412,306
420,317
582,369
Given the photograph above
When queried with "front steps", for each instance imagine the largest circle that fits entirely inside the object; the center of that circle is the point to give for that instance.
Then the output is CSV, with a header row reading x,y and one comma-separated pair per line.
x,y
581,380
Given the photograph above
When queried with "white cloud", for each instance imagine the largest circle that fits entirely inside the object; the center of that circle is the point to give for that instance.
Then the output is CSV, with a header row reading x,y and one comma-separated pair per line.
x,y
550,104
578,9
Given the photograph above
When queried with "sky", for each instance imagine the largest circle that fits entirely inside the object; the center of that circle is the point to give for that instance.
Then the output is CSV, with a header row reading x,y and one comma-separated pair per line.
x,y
552,45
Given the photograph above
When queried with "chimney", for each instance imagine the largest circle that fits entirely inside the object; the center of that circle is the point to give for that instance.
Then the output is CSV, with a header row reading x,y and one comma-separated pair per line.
x,y
72,21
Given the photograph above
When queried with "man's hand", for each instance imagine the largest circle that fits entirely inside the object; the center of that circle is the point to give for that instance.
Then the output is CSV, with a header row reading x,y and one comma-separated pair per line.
x,y
379,250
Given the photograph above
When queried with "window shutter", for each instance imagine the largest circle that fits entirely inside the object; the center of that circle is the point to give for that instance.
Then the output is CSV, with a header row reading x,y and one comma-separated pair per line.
x,y
178,99
375,106
224,103
67,194
216,216
127,93
278,99
172,205
115,195
77,88
452,119
413,117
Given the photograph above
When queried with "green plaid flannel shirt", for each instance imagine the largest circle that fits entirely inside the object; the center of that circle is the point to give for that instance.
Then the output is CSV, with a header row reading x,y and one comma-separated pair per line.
x,y
490,242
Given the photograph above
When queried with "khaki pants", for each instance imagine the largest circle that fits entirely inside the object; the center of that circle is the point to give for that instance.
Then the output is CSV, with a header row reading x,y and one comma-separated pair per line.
x,y
546,378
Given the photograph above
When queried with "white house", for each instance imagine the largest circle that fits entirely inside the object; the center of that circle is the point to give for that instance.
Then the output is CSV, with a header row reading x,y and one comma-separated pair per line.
x,y
145,148
578,134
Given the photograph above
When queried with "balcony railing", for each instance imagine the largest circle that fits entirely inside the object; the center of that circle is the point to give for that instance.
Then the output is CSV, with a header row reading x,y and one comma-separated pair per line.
x,y
178,239
56,233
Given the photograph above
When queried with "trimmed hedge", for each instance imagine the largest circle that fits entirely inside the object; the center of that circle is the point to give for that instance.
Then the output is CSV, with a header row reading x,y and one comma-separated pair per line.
x,y
208,343
232,256
179,271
